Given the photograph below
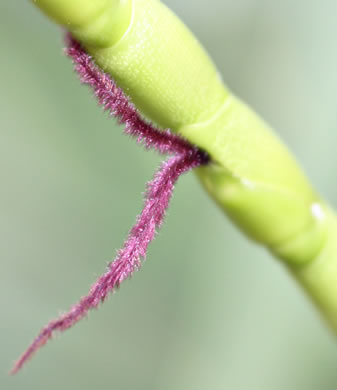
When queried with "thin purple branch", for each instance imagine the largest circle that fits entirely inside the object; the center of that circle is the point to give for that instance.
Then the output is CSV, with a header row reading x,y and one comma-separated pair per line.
x,y
159,192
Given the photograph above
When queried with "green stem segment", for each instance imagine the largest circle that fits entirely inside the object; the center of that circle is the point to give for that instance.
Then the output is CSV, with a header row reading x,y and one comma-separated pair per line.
x,y
101,23
173,82
319,277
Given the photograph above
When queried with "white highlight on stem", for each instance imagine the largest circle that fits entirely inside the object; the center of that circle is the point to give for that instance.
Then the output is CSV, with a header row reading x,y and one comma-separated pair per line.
x,y
317,211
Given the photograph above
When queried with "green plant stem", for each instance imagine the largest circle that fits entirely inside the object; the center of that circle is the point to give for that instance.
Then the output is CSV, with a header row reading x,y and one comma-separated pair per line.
x,y
319,276
253,177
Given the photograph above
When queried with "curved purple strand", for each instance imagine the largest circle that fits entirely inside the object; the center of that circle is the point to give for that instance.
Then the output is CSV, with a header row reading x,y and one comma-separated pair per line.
x,y
113,99
158,195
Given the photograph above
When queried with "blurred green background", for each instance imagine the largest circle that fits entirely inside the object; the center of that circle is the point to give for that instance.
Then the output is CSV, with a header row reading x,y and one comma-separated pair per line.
x,y
209,310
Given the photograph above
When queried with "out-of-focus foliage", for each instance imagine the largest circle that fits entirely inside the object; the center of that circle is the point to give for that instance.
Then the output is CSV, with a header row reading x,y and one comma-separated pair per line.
x,y
209,310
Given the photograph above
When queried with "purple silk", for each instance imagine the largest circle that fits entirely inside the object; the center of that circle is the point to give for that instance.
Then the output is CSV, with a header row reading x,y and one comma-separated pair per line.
x,y
159,191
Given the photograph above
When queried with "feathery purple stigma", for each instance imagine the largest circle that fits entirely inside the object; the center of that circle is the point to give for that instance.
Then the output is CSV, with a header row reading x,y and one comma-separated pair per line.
x,y
159,192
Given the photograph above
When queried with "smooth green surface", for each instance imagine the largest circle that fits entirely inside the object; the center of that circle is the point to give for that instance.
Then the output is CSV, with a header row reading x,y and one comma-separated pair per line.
x,y
256,181
102,22
170,78
209,309
162,67
319,277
